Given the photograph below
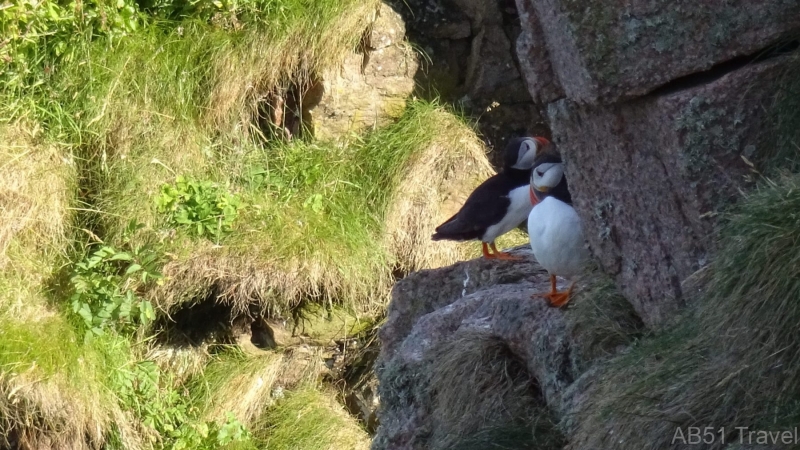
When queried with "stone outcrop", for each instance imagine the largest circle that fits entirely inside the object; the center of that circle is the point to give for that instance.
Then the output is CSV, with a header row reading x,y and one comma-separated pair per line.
x,y
371,86
659,109
649,176
432,308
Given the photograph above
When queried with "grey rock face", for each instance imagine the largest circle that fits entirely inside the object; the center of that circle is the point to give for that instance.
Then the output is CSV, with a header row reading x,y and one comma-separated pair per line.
x,y
610,51
432,307
650,176
654,104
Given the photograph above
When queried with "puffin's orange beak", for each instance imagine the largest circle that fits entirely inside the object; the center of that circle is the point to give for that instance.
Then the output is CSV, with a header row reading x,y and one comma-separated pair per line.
x,y
534,200
541,141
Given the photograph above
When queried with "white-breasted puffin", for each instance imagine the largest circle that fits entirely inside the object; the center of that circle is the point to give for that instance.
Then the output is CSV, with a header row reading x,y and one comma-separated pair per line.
x,y
499,204
554,227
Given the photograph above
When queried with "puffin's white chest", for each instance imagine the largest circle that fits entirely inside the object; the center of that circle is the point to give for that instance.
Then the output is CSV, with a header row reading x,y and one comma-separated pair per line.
x,y
517,212
557,238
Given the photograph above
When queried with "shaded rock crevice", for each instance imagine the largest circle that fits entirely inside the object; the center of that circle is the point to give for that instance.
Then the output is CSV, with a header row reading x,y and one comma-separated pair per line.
x,y
723,68
471,61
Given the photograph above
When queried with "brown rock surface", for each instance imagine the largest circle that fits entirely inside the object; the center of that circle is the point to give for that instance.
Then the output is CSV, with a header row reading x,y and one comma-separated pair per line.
x,y
649,176
607,51
370,88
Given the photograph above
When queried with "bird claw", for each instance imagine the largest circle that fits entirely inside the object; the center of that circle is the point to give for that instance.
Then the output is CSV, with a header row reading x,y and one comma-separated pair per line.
x,y
554,299
503,256
558,299
497,254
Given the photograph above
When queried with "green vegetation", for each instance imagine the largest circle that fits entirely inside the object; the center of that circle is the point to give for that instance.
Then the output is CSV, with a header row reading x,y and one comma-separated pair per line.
x,y
201,207
319,218
138,178
104,292
310,419
734,359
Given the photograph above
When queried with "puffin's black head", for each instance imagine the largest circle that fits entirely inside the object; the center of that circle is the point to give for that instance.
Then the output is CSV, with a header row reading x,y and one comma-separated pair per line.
x,y
547,176
521,152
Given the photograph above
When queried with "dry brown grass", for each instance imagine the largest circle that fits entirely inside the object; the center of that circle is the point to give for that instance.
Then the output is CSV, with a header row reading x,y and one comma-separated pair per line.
x,y
39,412
36,188
246,385
437,182
482,393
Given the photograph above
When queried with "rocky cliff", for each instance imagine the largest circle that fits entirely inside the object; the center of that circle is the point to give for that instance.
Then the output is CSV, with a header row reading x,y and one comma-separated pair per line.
x,y
665,112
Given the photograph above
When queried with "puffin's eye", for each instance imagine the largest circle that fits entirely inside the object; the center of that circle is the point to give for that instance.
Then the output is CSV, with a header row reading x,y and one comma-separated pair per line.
x,y
539,172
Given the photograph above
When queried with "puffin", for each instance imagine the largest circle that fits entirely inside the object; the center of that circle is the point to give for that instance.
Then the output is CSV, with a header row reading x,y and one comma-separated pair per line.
x,y
499,204
554,228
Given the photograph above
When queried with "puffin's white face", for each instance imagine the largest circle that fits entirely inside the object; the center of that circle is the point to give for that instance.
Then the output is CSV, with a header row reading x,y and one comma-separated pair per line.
x,y
526,155
547,176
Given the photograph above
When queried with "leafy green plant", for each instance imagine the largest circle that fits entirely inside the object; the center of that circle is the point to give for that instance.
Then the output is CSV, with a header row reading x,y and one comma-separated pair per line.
x,y
105,287
39,35
202,207
211,435
144,389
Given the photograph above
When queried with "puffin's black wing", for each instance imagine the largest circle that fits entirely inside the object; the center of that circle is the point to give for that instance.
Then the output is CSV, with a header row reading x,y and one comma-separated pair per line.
x,y
486,206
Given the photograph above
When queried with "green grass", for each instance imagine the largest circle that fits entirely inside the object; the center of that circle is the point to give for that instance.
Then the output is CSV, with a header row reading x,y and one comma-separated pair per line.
x,y
179,98
103,105
310,419
315,218
236,382
601,320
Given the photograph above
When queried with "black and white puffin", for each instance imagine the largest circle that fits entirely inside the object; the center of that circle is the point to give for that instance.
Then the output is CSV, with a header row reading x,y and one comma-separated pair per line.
x,y
499,204
554,227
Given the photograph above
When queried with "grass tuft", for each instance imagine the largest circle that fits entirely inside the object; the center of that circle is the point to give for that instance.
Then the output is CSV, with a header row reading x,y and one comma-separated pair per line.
x,y
310,419
601,320
52,386
245,385
503,397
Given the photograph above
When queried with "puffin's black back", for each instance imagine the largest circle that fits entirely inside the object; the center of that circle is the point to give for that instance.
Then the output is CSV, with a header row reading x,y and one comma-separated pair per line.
x,y
488,203
550,154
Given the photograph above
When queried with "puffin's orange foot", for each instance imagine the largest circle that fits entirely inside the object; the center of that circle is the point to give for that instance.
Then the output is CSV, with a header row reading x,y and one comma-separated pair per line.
x,y
507,257
554,298
498,254
557,299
